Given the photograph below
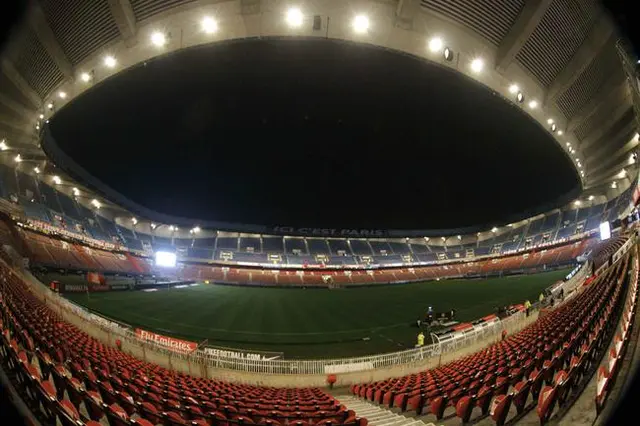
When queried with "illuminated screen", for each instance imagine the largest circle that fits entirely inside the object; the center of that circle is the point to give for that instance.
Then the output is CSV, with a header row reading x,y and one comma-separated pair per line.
x,y
165,258
605,231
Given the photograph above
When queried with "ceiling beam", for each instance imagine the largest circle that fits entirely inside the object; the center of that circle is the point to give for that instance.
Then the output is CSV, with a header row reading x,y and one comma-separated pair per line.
x,y
12,123
612,118
610,92
249,7
122,13
21,84
38,23
620,160
405,13
17,107
612,174
600,36
520,31
626,133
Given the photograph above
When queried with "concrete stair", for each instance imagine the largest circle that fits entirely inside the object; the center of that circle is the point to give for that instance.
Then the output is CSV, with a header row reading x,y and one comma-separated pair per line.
x,y
376,415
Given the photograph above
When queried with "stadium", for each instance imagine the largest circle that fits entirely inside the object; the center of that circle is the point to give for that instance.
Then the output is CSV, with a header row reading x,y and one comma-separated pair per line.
x,y
329,212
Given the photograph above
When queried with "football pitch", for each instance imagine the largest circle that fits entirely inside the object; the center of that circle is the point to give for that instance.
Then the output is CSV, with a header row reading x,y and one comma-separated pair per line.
x,y
311,323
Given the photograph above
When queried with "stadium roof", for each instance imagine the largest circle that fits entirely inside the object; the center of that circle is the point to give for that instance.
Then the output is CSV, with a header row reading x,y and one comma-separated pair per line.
x,y
561,54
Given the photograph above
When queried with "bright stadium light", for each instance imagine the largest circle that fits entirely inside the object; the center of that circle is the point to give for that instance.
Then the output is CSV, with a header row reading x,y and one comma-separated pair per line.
x,y
158,39
560,132
494,229
577,202
134,220
435,44
426,239
459,237
520,97
17,158
96,203
3,145
110,61
209,25
550,121
554,127
533,104
477,65
447,54
632,158
622,173
153,225
591,197
196,229
605,231
41,116
37,126
294,17
62,95
360,24
76,191
86,77
56,180
36,170
50,105
444,238
614,184
166,259
513,89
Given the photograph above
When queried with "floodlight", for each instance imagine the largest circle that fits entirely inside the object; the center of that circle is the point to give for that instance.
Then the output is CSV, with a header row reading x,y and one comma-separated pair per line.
x,y
209,25
550,121
50,105
294,17
554,127
41,116
560,132
459,237
577,202
533,104
196,229
85,76
435,44
622,173
76,191
18,159
494,229
96,203
477,65
605,231
444,238
166,259
614,184
158,39
360,24
591,197
520,97
447,54
513,89
62,95
56,180
3,145
110,61
134,220
426,238
36,170
153,226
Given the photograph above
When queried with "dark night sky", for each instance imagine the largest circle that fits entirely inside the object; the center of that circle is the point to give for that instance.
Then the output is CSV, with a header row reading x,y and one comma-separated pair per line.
x,y
312,133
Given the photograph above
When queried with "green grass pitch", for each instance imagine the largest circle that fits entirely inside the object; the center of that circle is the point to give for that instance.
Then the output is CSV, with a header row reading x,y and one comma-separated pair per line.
x,y
311,323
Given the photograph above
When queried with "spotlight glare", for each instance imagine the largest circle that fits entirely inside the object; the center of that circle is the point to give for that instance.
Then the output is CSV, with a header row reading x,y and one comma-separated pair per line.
x,y
36,170
76,191
41,116
50,105
591,197
560,132
494,229
62,95
435,44
477,65
209,25
294,17
360,24
577,202
56,180
85,76
18,158
110,61
550,121
533,104
158,39
513,89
